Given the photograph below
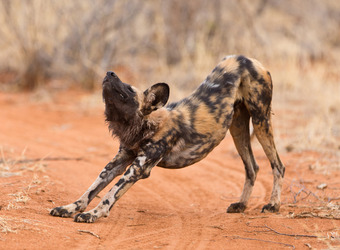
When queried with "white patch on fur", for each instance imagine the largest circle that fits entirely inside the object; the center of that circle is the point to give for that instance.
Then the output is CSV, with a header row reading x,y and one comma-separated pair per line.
x,y
276,192
142,160
247,190
228,57
213,85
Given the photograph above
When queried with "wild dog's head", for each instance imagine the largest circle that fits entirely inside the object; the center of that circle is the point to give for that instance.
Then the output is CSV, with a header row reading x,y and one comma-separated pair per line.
x,y
127,108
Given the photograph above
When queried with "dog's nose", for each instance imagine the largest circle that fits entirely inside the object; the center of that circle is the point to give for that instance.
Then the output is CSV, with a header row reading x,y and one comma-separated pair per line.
x,y
111,74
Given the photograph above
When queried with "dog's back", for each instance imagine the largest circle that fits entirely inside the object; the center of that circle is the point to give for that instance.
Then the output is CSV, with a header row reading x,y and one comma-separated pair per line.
x,y
198,123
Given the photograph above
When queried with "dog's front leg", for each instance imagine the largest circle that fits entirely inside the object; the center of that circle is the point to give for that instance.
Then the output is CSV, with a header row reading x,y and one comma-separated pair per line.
x,y
140,169
114,168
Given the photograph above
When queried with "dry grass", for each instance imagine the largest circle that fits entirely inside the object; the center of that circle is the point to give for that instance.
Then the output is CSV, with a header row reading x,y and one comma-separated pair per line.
x,y
309,110
5,227
17,165
6,167
180,42
21,196
11,166
153,39
35,186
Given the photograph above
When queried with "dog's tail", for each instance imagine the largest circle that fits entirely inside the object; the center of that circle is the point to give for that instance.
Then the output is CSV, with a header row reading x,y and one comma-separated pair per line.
x,y
255,88
246,80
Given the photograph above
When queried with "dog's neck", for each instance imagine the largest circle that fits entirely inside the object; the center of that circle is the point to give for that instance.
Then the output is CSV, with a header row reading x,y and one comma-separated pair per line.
x,y
133,131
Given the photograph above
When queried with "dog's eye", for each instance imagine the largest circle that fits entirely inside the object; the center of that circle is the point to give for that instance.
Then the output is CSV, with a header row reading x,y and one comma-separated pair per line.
x,y
130,89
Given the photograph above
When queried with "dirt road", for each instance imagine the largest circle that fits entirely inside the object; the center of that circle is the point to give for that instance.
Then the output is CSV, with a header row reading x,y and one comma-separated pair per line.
x,y
173,209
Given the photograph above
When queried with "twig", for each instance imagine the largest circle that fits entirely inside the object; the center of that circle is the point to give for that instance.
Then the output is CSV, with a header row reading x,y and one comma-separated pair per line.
x,y
44,159
292,235
303,190
315,215
308,245
298,193
216,227
135,225
298,206
268,241
89,232
258,217
333,198
3,160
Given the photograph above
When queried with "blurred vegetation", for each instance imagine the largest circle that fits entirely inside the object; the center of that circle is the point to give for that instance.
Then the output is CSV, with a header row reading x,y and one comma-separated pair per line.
x,y
59,43
182,40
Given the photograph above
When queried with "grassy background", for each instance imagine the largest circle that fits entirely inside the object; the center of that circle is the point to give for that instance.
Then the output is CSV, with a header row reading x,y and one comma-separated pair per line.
x,y
60,43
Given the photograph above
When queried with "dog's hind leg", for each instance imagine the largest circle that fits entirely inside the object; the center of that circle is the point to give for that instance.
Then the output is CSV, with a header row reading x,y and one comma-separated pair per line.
x,y
258,102
264,134
239,130
114,168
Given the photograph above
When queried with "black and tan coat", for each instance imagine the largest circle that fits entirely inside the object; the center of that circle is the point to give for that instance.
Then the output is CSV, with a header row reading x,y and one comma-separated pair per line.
x,y
182,133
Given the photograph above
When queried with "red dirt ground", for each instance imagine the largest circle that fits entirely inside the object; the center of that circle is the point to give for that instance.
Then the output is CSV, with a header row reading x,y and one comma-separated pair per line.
x,y
173,209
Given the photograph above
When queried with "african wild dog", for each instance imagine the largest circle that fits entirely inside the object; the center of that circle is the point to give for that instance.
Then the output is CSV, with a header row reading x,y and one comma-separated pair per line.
x,y
184,132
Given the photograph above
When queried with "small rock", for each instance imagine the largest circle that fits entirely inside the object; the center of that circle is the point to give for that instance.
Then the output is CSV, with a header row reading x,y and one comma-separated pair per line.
x,y
322,186
289,148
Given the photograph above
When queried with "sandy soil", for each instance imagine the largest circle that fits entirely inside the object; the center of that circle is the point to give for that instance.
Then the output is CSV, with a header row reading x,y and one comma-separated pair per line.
x,y
173,209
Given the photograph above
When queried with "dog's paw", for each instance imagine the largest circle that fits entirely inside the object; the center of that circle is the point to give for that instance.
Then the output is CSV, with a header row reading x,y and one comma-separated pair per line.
x,y
238,207
271,208
61,212
85,217
68,210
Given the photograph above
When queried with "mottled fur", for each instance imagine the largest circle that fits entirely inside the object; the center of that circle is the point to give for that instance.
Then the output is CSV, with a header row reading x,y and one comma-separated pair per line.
x,y
182,133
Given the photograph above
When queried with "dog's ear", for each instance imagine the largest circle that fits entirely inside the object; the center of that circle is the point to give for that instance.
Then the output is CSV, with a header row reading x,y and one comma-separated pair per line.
x,y
155,97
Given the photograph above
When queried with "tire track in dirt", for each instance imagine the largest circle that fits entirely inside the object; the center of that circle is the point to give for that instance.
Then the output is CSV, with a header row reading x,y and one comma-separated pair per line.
x,y
163,212
234,182
159,213
187,202
172,197
182,193
179,194
201,186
